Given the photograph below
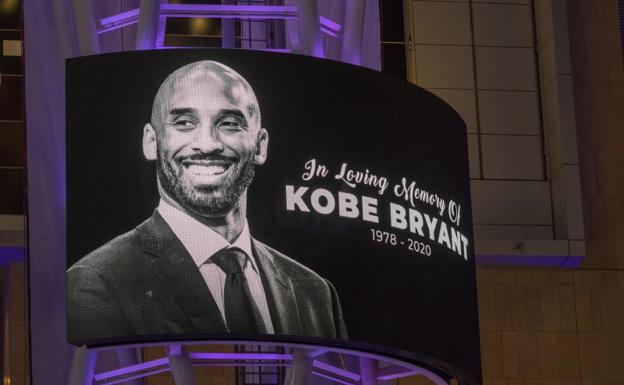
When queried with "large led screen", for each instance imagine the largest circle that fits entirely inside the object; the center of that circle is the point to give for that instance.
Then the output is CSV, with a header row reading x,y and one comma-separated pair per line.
x,y
230,194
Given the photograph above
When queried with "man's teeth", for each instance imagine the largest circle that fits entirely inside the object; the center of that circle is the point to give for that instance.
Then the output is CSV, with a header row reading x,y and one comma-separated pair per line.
x,y
207,169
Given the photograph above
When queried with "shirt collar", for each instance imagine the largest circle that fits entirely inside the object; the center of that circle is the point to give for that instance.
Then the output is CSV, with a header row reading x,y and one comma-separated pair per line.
x,y
201,241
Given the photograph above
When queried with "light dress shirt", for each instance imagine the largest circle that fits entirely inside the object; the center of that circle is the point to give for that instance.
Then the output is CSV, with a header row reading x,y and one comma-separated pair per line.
x,y
202,243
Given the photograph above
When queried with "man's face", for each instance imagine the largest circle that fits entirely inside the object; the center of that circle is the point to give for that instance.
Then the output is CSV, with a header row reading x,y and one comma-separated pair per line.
x,y
208,138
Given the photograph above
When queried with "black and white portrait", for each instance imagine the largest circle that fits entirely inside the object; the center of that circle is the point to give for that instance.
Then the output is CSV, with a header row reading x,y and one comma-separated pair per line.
x,y
217,194
194,266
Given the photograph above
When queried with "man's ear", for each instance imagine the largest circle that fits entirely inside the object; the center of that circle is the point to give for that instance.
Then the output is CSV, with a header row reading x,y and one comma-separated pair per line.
x,y
149,142
262,143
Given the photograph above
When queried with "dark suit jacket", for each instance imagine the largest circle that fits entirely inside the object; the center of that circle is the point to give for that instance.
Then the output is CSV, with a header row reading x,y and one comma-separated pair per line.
x,y
145,283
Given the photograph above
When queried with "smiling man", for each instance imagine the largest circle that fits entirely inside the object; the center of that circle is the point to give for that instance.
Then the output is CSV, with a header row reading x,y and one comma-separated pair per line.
x,y
193,267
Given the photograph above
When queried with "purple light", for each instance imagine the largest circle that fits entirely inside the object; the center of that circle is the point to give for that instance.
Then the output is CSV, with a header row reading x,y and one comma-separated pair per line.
x,y
328,32
564,261
241,363
227,11
335,370
11,254
119,20
132,369
318,352
240,356
126,379
390,368
331,378
281,50
230,11
330,24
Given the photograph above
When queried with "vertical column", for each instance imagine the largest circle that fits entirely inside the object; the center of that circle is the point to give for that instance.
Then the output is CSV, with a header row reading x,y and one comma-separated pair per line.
x,y
598,82
333,46
162,26
127,357
353,29
310,28
82,367
86,28
301,371
228,31
180,365
368,371
292,30
147,30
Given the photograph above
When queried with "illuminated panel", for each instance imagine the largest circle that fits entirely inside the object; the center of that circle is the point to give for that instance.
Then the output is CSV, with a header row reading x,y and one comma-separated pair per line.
x,y
241,195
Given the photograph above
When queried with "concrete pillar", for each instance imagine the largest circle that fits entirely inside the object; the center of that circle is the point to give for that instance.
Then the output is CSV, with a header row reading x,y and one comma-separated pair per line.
x,y
301,370
598,79
147,29
368,371
82,367
181,369
127,357
310,39
352,31
86,27
162,26
228,30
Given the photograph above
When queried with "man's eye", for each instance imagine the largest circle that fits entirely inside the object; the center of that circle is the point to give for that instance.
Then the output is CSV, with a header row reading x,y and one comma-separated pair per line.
x,y
184,124
231,124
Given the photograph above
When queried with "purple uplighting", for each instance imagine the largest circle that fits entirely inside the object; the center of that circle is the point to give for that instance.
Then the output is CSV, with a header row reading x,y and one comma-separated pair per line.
x,y
262,12
560,261
132,369
331,378
240,356
394,372
389,368
11,254
336,370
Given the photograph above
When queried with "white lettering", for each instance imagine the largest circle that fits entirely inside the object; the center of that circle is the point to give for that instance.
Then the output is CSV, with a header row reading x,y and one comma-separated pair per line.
x,y
431,225
397,216
443,237
294,198
315,200
347,205
369,209
416,222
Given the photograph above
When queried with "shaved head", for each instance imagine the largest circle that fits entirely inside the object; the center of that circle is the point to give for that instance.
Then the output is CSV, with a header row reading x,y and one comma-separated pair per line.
x,y
201,75
206,136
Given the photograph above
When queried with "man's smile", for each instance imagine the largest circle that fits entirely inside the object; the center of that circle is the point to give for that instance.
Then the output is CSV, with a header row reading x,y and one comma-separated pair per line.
x,y
201,167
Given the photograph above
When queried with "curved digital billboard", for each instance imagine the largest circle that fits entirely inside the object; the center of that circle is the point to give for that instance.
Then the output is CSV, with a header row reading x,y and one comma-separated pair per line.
x,y
229,194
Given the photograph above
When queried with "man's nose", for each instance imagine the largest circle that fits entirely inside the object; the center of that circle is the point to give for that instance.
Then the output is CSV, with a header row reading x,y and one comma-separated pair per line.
x,y
207,140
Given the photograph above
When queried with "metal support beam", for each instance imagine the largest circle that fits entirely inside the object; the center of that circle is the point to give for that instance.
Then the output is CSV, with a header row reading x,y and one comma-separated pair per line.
x,y
180,365
310,39
368,370
129,357
83,367
86,27
394,372
301,371
147,30
352,32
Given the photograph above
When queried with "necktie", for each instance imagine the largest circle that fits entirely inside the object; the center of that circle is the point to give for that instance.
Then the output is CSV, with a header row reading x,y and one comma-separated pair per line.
x,y
241,312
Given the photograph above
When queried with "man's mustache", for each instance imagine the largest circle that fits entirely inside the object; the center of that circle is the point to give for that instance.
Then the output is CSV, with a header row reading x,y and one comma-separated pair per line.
x,y
206,158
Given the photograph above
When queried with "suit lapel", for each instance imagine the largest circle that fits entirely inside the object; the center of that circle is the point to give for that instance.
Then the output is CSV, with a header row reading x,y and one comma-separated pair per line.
x,y
181,276
280,293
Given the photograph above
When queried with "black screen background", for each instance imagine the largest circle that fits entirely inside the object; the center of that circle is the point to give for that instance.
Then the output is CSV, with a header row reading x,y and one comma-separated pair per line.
x,y
399,302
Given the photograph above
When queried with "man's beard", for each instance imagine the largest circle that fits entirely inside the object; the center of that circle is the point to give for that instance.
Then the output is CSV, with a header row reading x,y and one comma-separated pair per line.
x,y
211,201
